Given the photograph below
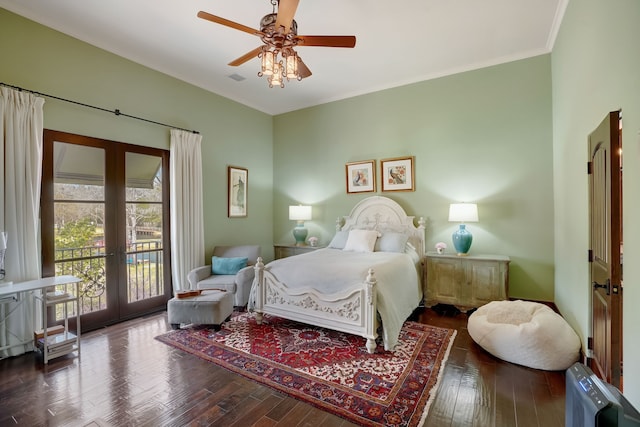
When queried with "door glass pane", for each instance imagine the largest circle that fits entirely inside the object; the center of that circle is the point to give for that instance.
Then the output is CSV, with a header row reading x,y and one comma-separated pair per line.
x,y
79,226
144,226
78,172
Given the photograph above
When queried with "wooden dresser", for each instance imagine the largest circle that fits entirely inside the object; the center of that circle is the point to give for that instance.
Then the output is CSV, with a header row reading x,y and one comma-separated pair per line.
x,y
465,281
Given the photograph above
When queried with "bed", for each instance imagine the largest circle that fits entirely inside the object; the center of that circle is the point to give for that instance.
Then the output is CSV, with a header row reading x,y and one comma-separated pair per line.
x,y
346,287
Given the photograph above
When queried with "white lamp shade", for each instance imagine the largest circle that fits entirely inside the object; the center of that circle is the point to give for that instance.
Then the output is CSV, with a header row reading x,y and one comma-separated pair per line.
x,y
300,213
463,212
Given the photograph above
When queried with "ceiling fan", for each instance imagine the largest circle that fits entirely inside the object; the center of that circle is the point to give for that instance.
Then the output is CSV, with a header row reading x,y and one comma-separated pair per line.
x,y
279,33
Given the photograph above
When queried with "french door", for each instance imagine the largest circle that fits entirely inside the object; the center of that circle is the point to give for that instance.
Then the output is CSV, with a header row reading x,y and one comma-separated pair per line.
x,y
105,219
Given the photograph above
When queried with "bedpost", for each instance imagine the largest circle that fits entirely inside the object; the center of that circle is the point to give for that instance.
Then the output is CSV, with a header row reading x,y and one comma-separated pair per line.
x,y
259,289
370,311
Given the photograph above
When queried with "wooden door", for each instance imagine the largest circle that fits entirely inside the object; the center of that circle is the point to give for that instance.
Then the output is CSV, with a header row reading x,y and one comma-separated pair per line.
x,y
605,248
105,219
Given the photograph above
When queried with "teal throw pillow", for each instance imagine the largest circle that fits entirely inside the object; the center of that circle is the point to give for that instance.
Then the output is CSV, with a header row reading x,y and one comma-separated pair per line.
x,y
221,265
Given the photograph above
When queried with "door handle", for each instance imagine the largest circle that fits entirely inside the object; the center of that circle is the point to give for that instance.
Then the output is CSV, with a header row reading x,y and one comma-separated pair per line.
x,y
606,286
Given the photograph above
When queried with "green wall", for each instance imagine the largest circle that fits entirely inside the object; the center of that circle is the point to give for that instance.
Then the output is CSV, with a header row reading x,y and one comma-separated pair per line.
x,y
483,136
41,59
595,69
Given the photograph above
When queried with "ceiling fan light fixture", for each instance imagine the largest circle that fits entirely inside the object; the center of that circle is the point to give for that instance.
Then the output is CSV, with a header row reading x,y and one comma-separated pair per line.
x,y
276,78
278,64
291,64
268,60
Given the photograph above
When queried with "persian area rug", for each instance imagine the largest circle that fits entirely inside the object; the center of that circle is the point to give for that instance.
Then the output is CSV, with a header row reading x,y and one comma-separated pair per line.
x,y
328,369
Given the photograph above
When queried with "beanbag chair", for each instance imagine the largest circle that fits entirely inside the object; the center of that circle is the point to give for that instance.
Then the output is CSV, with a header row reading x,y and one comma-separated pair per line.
x,y
526,333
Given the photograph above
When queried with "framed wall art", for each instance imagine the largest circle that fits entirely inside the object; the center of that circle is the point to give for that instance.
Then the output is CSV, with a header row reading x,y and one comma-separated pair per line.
x,y
397,174
238,180
361,176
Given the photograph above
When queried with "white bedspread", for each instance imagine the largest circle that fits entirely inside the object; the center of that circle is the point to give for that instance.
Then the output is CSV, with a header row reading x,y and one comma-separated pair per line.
x,y
333,270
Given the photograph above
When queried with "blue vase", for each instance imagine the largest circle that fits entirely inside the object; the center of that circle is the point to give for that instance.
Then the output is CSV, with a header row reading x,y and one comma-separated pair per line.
x,y
462,240
300,234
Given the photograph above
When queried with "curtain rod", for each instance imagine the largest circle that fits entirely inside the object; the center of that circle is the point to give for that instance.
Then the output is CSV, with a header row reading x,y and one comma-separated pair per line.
x,y
116,111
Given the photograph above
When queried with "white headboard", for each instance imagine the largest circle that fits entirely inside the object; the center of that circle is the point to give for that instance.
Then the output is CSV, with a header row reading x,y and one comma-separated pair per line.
x,y
383,214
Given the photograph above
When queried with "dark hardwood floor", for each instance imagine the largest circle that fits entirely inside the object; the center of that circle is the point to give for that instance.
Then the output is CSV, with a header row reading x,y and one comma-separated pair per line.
x,y
127,378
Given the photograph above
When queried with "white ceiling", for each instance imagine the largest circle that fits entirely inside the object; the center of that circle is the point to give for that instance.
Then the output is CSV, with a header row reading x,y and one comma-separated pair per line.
x,y
398,42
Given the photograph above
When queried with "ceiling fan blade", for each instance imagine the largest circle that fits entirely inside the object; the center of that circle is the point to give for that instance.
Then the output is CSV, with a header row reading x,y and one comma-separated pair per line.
x,y
303,70
286,10
226,22
247,56
328,41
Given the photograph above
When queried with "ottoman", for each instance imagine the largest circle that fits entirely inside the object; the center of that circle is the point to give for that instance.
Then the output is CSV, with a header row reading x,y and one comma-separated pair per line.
x,y
211,307
526,333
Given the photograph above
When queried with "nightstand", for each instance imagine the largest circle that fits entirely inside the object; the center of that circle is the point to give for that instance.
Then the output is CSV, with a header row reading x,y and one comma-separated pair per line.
x,y
465,281
283,251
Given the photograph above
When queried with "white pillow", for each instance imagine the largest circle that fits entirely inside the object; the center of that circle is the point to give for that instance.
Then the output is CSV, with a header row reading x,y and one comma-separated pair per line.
x,y
361,240
391,242
339,240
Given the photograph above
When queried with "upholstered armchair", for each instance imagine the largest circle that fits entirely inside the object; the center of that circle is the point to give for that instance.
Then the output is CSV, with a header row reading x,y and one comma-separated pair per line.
x,y
231,269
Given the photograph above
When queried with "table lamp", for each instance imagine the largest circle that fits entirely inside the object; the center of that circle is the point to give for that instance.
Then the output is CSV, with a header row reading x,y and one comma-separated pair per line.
x,y
301,214
462,212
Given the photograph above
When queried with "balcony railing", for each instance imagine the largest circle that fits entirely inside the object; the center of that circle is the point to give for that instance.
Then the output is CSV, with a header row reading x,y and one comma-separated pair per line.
x,y
144,270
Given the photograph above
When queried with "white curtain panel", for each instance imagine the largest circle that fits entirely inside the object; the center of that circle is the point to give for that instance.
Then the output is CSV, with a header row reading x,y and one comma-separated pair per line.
x,y
187,223
21,126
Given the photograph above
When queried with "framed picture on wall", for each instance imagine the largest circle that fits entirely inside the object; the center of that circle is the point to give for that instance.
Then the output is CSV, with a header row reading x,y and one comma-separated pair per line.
x,y
397,174
361,176
238,181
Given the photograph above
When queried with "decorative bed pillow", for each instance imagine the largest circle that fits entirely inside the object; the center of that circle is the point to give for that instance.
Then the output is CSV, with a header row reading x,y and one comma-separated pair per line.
x,y
391,242
339,240
220,265
361,240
